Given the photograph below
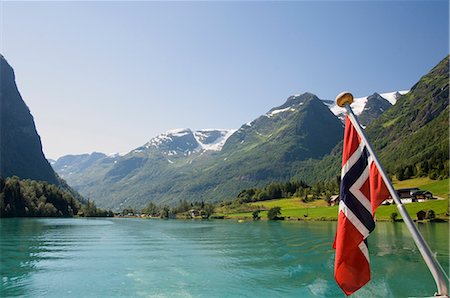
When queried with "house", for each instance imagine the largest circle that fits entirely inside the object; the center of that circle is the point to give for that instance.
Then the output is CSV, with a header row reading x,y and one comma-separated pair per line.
x,y
194,213
411,195
406,193
334,200
421,215
422,195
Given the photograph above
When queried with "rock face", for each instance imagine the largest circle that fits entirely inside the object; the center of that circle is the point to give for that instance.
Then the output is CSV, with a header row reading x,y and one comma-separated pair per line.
x,y
375,106
20,145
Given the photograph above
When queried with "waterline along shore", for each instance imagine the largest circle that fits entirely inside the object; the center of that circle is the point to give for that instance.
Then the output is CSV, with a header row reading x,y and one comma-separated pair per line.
x,y
295,210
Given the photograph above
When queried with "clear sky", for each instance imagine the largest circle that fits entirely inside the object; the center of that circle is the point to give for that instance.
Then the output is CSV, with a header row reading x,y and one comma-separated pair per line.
x,y
109,76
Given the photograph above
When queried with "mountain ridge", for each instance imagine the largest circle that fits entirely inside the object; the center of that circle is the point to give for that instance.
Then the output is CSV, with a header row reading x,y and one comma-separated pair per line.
x,y
288,131
390,97
299,139
410,138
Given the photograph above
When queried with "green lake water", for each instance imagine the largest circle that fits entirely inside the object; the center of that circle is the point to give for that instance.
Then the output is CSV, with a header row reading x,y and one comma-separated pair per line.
x,y
221,258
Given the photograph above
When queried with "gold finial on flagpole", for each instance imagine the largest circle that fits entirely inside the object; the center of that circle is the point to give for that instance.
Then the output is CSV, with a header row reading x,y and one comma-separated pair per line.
x,y
344,98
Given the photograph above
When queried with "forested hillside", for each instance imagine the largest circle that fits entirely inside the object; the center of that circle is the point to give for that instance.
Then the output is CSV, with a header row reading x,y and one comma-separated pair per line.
x,y
30,198
412,136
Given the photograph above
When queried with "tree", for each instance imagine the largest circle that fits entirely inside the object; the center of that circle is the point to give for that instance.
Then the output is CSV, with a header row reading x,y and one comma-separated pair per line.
x,y
400,174
128,211
394,216
208,210
274,191
431,214
182,206
433,175
150,209
408,172
262,196
255,215
274,213
2,183
165,212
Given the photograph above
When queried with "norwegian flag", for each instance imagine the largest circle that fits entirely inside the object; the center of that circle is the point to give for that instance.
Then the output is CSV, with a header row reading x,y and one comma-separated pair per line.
x,y
362,191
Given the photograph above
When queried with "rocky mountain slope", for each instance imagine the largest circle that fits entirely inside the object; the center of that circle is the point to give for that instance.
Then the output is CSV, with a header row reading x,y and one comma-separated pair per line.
x,y
28,184
20,145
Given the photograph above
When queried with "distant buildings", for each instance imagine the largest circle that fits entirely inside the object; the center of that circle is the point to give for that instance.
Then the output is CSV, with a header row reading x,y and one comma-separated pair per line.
x,y
411,195
407,195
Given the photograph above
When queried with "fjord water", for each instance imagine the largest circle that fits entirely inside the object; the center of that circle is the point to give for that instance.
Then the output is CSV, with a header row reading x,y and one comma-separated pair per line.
x,y
173,258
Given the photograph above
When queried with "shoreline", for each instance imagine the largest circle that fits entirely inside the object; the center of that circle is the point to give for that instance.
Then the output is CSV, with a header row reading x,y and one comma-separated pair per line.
x,y
436,220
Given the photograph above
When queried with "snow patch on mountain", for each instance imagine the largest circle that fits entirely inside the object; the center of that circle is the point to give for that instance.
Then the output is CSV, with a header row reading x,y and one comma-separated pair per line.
x,y
179,132
274,112
115,154
186,142
359,103
212,139
393,96
165,137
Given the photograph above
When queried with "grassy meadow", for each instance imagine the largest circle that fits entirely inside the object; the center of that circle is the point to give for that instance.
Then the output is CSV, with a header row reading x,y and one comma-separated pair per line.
x,y
294,208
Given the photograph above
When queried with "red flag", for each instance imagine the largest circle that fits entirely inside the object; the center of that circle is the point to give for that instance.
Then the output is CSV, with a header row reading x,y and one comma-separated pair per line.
x,y
362,191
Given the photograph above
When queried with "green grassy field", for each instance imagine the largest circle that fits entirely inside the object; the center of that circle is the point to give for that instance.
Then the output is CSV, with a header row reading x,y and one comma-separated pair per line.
x,y
294,208
311,211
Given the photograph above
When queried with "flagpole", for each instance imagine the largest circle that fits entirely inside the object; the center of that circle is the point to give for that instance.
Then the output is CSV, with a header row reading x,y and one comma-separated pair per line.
x,y
344,100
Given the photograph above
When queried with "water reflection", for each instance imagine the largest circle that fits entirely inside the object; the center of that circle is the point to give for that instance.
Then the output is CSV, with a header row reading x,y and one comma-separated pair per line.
x,y
20,249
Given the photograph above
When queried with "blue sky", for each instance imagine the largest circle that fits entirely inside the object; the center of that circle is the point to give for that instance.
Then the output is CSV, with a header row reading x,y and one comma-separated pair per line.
x,y
108,76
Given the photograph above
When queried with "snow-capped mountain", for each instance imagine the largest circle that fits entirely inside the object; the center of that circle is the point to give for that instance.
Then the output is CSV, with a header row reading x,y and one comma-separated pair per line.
x,y
359,104
213,163
185,142
184,145
291,122
375,106
212,139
